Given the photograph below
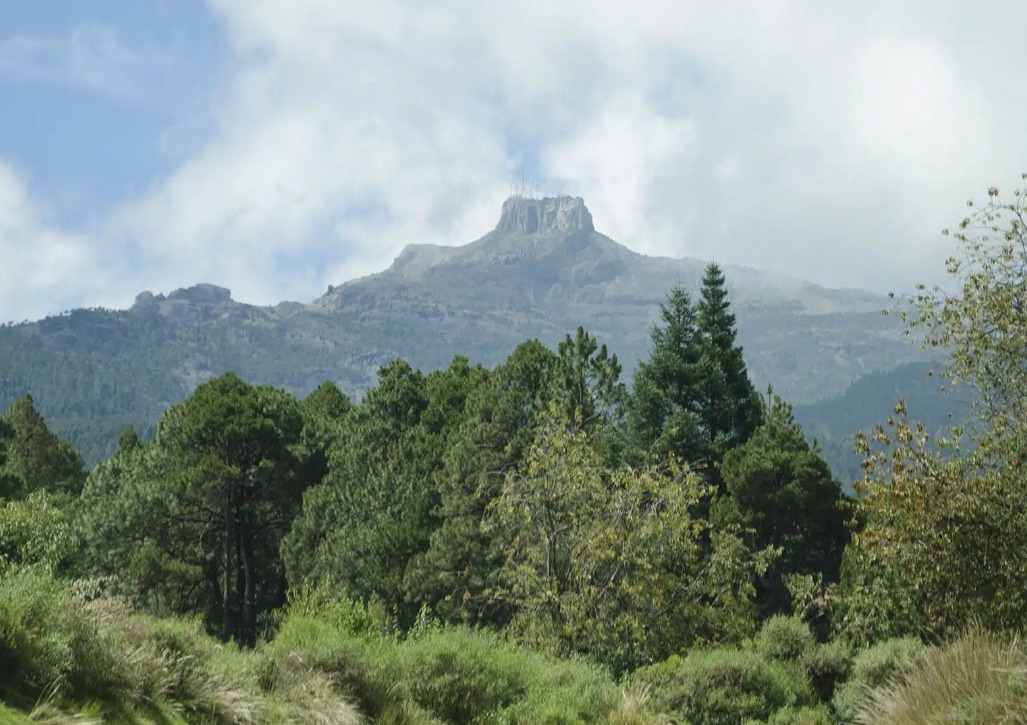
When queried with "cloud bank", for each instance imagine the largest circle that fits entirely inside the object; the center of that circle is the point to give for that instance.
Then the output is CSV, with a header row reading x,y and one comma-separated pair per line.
x,y
829,141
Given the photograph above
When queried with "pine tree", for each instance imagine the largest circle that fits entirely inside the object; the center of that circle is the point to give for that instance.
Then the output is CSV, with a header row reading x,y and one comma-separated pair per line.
x,y
782,490
729,408
663,411
37,457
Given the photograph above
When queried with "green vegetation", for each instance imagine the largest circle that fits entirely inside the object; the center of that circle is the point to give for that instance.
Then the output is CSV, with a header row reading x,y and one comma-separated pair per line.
x,y
532,543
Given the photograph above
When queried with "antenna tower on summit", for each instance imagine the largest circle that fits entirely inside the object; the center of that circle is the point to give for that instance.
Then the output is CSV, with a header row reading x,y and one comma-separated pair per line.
x,y
527,189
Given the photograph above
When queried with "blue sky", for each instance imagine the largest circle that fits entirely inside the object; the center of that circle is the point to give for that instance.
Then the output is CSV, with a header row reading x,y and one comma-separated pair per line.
x,y
106,100
277,148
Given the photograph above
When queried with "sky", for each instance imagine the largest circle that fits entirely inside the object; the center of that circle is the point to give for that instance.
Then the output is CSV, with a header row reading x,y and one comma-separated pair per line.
x,y
276,148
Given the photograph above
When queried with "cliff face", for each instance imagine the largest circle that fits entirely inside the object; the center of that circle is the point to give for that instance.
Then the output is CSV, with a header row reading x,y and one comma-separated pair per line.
x,y
545,217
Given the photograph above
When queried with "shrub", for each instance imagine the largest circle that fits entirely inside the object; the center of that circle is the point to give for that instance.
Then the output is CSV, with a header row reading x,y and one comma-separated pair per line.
x,y
826,665
366,619
452,674
873,668
978,678
724,686
784,638
51,644
800,716
634,709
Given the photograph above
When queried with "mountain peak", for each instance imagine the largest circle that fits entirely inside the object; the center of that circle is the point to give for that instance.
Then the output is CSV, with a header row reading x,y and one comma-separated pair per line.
x,y
547,216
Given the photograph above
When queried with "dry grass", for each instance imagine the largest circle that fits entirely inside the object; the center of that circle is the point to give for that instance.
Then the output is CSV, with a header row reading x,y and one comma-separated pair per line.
x,y
978,678
634,709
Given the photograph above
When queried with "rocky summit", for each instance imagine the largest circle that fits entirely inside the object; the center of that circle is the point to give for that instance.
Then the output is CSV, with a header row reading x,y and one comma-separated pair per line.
x,y
545,217
542,271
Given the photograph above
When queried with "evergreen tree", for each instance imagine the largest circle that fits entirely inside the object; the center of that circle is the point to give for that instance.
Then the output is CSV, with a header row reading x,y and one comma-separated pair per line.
x,y
693,398
37,458
193,520
8,484
365,527
501,418
780,489
663,411
128,440
730,407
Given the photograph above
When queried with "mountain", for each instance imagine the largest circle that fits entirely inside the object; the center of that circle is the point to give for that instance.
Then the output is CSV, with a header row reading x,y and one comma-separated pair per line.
x,y
540,273
834,421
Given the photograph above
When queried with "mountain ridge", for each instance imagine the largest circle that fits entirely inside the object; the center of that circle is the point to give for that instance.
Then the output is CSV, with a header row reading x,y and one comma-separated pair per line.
x,y
540,273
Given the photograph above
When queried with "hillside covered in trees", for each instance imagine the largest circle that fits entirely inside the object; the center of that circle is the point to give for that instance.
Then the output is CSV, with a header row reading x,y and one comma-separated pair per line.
x,y
536,542
542,272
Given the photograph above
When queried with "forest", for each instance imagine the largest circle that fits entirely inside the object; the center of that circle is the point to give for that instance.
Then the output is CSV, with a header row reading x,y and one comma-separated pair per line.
x,y
539,542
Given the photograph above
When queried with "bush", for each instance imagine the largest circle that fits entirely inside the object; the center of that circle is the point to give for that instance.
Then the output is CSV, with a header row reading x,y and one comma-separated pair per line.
x,y
453,674
365,619
59,650
53,645
723,686
979,678
784,638
873,668
800,716
826,665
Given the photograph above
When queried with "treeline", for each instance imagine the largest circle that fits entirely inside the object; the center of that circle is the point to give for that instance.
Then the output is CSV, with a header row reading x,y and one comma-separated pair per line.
x,y
538,498
683,537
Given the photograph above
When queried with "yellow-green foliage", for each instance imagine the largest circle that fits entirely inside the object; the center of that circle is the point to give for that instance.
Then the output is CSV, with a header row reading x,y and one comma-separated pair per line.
x,y
978,678
12,717
784,638
800,716
447,674
79,660
715,687
873,668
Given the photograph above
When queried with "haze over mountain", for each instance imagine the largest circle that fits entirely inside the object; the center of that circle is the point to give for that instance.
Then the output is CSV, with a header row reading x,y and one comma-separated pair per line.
x,y
542,271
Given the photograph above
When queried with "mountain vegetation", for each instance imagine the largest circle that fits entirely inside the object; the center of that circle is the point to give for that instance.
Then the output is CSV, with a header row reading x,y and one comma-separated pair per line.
x,y
537,541
541,273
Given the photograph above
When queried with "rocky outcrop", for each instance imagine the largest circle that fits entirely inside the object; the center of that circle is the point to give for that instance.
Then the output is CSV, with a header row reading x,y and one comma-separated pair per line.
x,y
548,216
202,293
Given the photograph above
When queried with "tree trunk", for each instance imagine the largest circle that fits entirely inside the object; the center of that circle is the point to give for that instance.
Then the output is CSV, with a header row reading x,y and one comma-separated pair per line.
x,y
249,615
229,571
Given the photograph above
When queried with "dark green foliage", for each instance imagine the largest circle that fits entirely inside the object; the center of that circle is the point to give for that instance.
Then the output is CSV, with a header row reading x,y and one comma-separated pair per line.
x,y
8,484
723,686
664,397
128,440
692,397
501,414
587,382
192,521
783,491
826,666
376,509
37,459
730,408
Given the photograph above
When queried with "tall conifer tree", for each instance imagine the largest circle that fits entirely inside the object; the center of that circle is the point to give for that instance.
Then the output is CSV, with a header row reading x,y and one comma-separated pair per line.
x,y
663,413
729,406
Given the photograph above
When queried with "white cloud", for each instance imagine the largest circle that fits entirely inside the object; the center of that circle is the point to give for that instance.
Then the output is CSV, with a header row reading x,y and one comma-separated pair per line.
x,y
827,140
92,57
42,269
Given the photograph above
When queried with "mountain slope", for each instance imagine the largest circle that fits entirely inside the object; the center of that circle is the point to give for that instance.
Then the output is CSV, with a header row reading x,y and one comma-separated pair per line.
x,y
540,273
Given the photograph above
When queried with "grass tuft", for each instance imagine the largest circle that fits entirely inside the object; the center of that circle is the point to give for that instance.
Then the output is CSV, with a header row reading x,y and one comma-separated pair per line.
x,y
978,678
